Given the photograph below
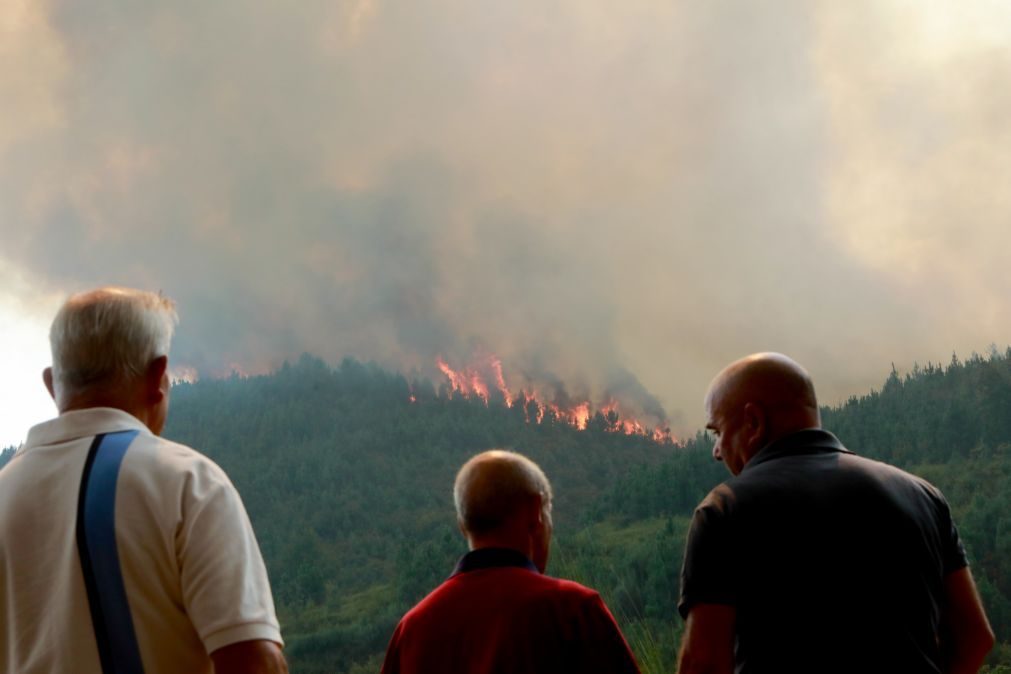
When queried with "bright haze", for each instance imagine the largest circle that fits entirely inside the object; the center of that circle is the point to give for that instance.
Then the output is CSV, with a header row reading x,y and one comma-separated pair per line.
x,y
613,196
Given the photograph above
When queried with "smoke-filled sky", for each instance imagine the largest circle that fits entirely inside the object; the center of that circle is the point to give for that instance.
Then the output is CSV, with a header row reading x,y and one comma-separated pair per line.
x,y
601,192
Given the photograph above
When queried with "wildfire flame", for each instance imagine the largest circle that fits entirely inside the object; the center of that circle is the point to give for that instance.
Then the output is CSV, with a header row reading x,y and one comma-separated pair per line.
x,y
473,380
465,382
496,367
183,373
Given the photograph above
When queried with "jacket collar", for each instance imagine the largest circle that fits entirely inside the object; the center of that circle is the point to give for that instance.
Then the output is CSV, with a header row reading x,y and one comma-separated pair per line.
x,y
809,441
491,558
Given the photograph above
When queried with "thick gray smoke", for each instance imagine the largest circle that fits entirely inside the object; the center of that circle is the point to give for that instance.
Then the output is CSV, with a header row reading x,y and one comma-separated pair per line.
x,y
646,188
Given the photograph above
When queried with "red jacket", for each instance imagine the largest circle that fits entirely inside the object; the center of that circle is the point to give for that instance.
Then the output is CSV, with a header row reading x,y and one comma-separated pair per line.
x,y
497,615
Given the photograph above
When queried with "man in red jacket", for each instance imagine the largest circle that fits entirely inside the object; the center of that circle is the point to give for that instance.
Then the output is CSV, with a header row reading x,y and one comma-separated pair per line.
x,y
498,612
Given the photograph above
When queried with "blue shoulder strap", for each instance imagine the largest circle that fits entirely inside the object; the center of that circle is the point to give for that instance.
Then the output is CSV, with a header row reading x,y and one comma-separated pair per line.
x,y
96,546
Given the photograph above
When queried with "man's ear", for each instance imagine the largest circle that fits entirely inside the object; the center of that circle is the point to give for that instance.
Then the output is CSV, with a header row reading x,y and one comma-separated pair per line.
x,y
536,513
47,379
155,380
756,424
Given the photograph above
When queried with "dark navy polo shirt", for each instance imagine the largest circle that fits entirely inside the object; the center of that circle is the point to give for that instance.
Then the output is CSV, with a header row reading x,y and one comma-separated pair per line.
x,y
834,562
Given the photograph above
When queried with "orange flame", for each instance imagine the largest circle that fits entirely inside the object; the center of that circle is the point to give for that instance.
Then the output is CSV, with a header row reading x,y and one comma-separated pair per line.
x,y
465,382
530,398
577,416
478,386
496,366
457,382
471,382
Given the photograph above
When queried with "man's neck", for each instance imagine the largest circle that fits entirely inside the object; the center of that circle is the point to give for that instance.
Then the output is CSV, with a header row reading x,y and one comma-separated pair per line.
x,y
95,399
523,548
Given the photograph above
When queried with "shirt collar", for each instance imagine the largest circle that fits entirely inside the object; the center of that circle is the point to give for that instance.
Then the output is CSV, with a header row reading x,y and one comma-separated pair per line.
x,y
809,441
490,558
82,423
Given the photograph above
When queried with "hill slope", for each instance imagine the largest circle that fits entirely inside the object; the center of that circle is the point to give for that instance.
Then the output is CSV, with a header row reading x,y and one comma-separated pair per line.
x,y
348,483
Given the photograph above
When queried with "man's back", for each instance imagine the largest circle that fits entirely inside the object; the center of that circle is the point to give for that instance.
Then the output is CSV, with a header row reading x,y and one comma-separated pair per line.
x,y
505,617
192,574
833,562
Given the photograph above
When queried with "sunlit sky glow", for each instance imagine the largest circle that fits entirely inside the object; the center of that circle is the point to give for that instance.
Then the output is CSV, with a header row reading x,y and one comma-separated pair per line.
x,y
24,352
583,188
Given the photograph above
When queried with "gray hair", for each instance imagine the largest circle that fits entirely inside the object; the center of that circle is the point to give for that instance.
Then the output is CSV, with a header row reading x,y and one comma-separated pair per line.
x,y
492,485
109,335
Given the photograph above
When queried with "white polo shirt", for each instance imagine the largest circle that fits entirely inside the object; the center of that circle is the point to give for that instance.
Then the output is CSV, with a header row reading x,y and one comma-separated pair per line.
x,y
191,569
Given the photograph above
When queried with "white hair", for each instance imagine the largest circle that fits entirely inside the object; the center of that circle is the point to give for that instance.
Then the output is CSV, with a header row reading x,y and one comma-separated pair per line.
x,y
491,486
109,335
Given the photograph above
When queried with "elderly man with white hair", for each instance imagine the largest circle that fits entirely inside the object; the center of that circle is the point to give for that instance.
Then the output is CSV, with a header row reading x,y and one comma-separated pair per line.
x,y
498,612
121,551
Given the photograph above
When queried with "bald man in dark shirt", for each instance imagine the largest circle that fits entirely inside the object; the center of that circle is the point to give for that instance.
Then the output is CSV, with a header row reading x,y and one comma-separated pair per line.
x,y
812,559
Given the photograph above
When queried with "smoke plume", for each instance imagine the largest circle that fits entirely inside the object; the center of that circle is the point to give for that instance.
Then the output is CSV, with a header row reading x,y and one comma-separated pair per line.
x,y
619,197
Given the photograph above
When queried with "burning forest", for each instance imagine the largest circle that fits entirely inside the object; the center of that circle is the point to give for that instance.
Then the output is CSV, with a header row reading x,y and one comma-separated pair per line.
x,y
543,398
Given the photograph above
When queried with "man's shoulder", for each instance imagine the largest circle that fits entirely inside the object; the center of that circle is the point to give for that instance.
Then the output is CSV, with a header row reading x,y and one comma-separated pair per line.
x,y
720,499
899,481
846,470
159,465
558,589
570,589
513,585
883,470
173,455
171,450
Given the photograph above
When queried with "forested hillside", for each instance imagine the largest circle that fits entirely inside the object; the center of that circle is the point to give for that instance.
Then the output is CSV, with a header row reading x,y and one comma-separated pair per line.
x,y
348,484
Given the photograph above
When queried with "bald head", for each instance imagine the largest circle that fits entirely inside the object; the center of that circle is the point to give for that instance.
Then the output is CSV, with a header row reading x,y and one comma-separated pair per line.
x,y
503,500
771,379
756,400
493,486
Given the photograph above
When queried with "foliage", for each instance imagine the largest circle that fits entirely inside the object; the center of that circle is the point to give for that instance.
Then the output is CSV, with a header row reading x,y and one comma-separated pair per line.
x,y
348,485
6,454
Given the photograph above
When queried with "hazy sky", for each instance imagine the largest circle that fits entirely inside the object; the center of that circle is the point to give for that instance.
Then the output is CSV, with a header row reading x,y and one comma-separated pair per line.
x,y
598,191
